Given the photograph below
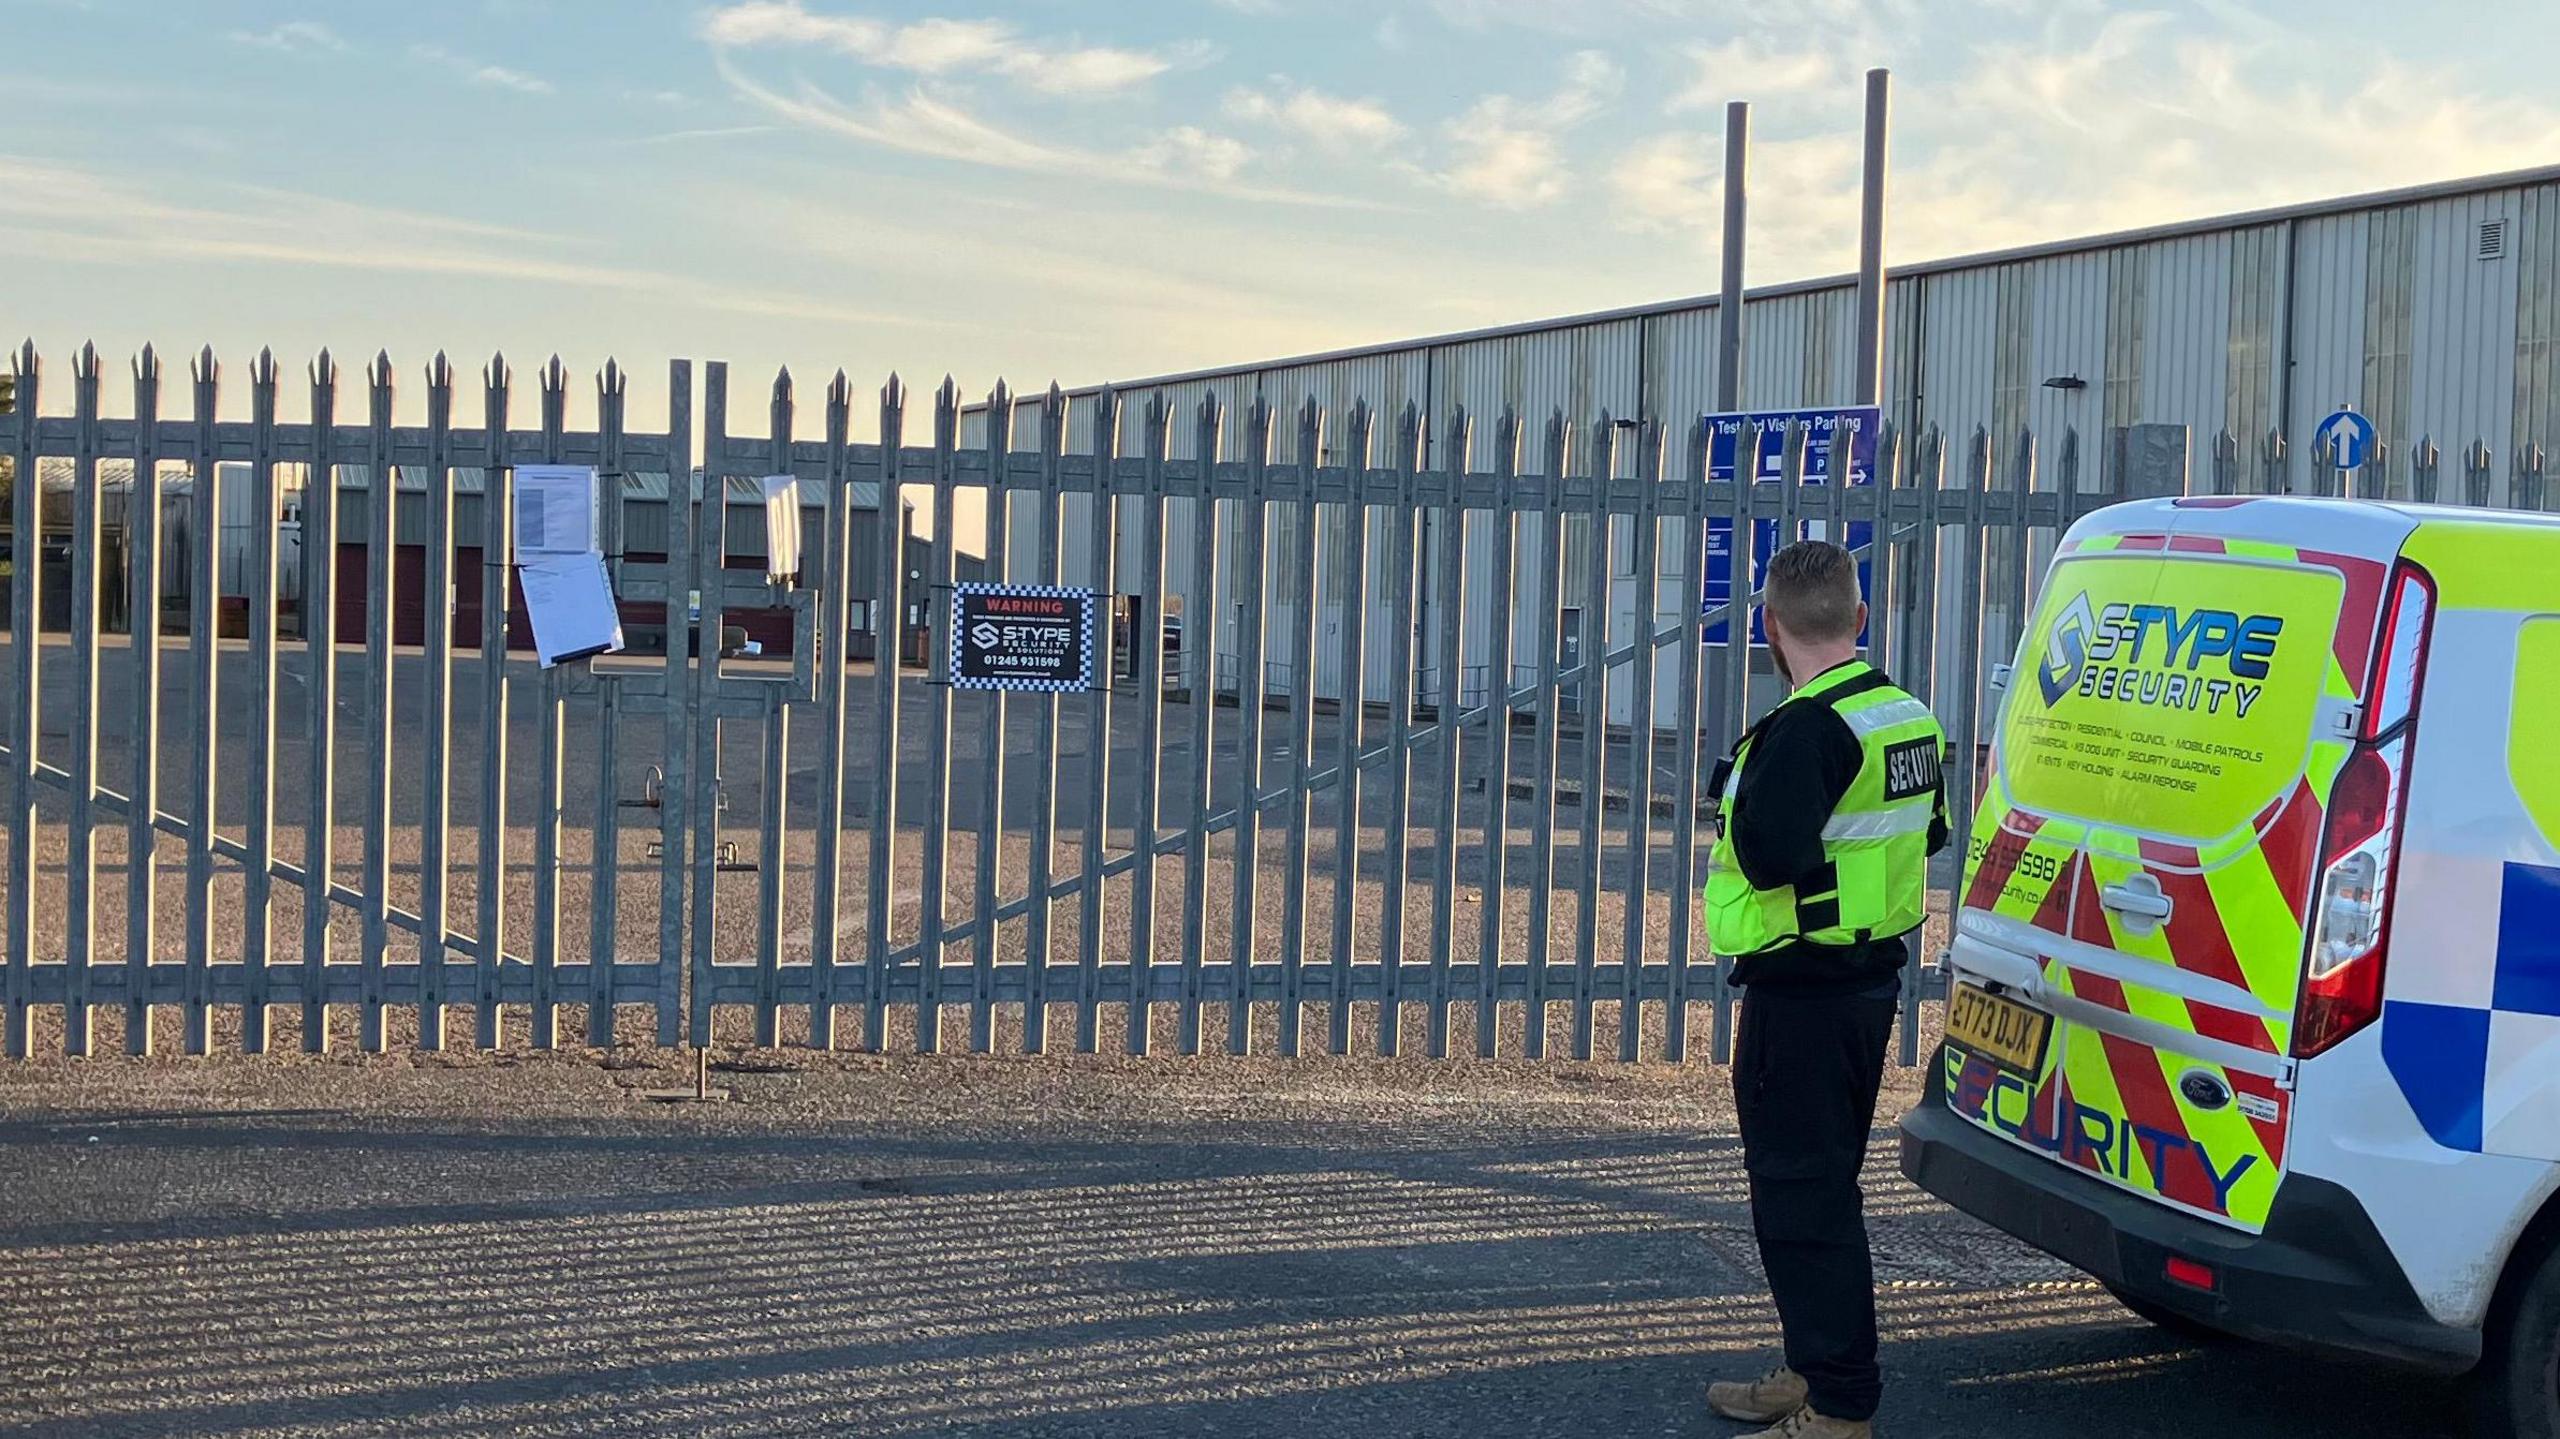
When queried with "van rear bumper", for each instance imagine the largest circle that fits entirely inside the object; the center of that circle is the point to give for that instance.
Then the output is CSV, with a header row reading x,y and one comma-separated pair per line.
x,y
2319,1278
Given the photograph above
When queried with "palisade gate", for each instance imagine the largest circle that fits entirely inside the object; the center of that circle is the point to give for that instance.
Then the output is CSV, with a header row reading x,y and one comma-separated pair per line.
x,y
330,800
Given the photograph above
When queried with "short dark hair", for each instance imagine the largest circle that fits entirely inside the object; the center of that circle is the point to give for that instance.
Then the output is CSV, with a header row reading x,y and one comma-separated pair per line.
x,y
1813,591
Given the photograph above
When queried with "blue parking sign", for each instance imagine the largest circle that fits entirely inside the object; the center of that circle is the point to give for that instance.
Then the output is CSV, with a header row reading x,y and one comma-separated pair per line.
x,y
1858,423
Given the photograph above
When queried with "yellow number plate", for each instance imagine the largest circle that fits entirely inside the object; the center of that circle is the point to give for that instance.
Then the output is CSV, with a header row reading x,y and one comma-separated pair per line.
x,y
2003,1031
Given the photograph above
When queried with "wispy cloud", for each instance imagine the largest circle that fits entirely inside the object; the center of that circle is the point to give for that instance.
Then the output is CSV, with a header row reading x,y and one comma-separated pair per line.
x,y
1761,71
497,77
1188,149
2093,122
716,132
293,37
1332,121
72,216
1509,153
928,123
937,46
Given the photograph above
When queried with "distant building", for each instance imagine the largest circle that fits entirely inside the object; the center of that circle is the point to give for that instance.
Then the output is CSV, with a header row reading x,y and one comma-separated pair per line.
x,y
2436,311
644,537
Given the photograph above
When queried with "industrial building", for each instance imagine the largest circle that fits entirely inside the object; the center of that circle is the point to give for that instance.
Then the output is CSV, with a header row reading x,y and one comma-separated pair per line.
x,y
644,518
2435,311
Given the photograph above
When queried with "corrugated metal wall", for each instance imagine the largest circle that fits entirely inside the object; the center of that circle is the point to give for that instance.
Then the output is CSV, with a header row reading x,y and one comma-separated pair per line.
x,y
2458,376
2536,246
2328,323
2266,324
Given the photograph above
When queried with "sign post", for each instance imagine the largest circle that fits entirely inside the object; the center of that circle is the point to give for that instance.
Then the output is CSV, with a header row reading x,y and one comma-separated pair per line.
x,y
1024,638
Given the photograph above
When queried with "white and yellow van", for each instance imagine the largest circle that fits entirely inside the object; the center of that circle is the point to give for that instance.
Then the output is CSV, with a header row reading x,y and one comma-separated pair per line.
x,y
2256,962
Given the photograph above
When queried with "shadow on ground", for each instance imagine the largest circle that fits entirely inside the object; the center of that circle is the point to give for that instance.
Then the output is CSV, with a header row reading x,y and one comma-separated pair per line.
x,y
1018,1267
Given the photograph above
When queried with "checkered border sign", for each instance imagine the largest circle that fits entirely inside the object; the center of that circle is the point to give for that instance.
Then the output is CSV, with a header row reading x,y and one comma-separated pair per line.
x,y
1088,608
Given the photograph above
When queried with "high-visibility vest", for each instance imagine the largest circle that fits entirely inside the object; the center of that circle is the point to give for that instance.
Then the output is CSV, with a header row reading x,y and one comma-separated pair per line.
x,y
1874,880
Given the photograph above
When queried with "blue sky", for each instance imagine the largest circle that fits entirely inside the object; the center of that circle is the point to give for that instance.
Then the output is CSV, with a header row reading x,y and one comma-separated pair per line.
x,y
1090,191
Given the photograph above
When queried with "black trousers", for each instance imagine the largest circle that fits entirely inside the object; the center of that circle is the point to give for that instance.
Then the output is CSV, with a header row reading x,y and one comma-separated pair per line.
x,y
1805,1073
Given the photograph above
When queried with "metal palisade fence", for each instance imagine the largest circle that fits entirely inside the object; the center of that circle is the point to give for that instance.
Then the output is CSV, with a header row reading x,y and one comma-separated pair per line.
x,y
292,793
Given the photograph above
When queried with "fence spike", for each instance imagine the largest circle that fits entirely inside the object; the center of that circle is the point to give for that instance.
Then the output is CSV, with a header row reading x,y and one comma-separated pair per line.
x,y
1364,425
1053,420
949,394
378,375
1257,429
84,365
23,363
495,373
146,368
324,370
555,377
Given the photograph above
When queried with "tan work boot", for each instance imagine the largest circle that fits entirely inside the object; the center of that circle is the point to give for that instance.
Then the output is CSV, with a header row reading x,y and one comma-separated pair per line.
x,y
1806,1424
1771,1397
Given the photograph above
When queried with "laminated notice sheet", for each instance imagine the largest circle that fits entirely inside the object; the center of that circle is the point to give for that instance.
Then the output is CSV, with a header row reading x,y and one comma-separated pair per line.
x,y
555,510
570,598
781,526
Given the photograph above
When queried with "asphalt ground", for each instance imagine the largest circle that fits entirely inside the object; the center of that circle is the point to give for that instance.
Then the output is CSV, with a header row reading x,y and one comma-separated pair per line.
x,y
439,1245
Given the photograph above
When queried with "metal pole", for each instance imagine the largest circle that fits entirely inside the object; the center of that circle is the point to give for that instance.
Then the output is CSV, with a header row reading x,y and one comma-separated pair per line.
x,y
1737,201
1871,244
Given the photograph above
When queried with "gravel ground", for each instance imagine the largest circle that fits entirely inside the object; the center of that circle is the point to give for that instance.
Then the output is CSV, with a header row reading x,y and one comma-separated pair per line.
x,y
739,927
438,1245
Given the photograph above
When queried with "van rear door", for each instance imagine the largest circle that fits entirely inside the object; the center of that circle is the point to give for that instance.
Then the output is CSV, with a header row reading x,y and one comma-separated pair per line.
x,y
2179,709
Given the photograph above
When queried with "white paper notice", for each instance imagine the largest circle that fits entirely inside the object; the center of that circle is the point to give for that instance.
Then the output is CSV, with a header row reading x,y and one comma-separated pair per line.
x,y
781,525
571,598
555,510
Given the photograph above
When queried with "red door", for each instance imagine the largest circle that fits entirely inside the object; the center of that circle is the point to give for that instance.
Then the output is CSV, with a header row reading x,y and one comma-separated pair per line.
x,y
408,594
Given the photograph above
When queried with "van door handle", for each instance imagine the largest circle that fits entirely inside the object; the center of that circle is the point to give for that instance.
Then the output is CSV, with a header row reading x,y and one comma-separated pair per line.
x,y
2138,898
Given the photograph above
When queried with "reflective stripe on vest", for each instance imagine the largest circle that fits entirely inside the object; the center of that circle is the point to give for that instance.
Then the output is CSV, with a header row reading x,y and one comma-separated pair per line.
x,y
1883,824
1874,882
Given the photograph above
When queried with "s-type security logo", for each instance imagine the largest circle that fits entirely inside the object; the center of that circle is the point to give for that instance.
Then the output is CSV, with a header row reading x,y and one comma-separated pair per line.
x,y
2159,656
2066,650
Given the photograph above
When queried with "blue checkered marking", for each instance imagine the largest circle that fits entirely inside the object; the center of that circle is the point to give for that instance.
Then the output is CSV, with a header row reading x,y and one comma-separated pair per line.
x,y
2528,977
2439,1054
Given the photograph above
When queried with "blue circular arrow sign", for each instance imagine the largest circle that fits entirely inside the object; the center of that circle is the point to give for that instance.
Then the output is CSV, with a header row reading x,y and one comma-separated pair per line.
x,y
2345,438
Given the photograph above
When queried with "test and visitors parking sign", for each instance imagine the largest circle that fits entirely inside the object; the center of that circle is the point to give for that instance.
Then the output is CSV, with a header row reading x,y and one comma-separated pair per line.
x,y
1858,425
1022,637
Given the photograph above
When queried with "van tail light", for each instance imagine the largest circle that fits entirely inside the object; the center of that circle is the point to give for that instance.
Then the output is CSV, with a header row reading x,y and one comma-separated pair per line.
x,y
2360,845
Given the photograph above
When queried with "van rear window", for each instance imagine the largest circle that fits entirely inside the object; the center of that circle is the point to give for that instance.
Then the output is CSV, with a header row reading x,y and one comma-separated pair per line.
x,y
2170,694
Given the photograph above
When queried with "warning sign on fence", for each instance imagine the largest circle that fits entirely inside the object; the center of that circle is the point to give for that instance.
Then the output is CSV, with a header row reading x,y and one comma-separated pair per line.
x,y
1022,637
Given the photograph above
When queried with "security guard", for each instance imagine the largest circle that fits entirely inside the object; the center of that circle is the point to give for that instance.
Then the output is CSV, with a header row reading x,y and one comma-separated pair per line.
x,y
1831,806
